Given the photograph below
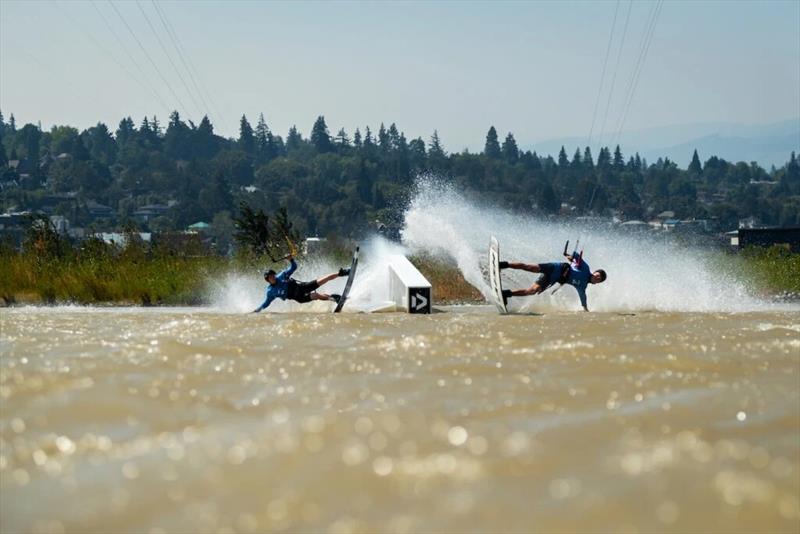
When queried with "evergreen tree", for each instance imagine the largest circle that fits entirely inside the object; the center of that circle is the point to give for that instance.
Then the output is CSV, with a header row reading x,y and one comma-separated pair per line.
x,y
492,147
588,162
401,157
320,137
293,140
369,144
695,168
416,153
396,140
175,120
437,157
148,135
178,142
100,143
276,145
576,159
510,149
619,161
436,148
2,126
563,160
535,162
792,174
30,136
603,158
205,141
261,139
12,124
357,139
144,128
155,126
342,140
383,140
247,141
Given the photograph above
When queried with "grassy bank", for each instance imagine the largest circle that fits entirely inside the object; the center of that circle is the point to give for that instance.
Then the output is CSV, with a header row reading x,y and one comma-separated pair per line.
x,y
774,271
117,280
449,286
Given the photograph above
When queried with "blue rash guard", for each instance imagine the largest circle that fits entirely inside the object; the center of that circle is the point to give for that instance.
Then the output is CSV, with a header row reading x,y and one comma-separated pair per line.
x,y
281,287
579,276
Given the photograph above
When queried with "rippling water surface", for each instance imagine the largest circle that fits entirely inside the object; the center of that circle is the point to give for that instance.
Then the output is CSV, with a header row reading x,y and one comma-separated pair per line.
x,y
179,420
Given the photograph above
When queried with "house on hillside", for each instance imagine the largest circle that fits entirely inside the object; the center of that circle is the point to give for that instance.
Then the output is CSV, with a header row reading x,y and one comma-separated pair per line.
x,y
149,212
670,224
99,211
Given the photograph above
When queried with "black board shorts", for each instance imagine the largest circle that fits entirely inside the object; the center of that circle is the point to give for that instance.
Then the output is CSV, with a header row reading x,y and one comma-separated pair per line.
x,y
301,291
552,273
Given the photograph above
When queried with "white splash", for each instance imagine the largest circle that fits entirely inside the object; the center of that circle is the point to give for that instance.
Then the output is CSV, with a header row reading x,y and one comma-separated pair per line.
x,y
643,274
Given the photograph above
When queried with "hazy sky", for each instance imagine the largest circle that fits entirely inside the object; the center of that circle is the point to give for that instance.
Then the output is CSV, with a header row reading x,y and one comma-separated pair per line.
x,y
533,68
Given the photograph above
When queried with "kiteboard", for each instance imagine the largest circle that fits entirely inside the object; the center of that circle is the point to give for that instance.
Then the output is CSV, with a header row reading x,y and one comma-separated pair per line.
x,y
495,282
349,283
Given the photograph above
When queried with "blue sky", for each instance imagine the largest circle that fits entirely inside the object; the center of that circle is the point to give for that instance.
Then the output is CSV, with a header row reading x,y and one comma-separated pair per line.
x,y
532,68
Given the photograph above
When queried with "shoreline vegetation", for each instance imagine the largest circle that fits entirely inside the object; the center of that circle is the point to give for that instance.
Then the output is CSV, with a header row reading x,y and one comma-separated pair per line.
x,y
162,281
52,271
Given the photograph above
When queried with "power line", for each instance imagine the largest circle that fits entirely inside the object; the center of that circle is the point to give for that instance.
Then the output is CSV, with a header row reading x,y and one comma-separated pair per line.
x,y
144,50
164,49
639,61
192,69
648,39
107,51
603,74
176,45
614,77
122,45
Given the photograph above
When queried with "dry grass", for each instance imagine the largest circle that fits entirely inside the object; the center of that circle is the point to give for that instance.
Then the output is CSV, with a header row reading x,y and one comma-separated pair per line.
x,y
148,281
449,286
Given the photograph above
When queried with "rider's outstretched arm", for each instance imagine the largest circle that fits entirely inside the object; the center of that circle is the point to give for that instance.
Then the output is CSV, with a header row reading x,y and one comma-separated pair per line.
x,y
582,295
286,273
267,302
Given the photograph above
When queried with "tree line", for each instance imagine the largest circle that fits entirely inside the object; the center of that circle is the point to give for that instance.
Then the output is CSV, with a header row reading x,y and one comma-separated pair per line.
x,y
343,184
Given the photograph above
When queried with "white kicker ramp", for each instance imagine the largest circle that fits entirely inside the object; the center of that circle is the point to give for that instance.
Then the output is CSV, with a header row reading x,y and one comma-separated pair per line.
x,y
408,289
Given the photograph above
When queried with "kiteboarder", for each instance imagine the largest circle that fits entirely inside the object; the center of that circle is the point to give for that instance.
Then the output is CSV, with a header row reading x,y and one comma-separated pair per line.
x,y
576,273
281,285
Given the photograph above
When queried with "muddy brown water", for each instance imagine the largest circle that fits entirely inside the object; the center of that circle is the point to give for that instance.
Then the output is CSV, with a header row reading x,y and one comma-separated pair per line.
x,y
188,420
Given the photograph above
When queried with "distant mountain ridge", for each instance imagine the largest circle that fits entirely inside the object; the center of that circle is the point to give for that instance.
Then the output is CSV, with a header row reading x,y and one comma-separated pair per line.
x,y
768,144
